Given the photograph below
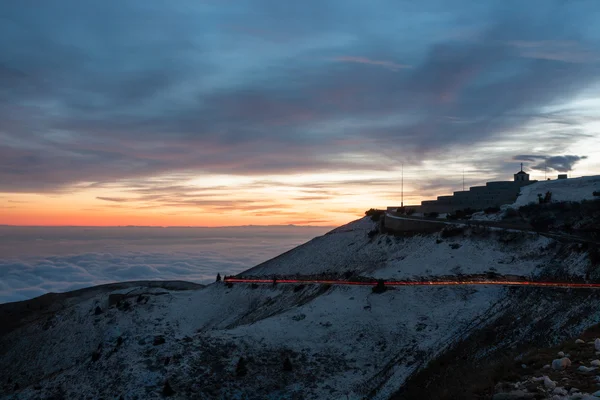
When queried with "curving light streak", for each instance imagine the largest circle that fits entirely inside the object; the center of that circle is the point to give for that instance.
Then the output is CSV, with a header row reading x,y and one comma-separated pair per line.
x,y
574,285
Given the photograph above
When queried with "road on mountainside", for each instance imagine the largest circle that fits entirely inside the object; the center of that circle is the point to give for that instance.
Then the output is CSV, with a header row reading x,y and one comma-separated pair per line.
x,y
521,226
468,280
445,282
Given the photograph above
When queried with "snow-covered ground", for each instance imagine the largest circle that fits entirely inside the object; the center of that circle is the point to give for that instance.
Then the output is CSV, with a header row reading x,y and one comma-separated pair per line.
x,y
573,189
346,334
343,342
392,257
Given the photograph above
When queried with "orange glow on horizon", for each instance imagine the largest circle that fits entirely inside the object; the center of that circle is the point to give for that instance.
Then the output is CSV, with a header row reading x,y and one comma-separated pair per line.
x,y
325,199
123,219
210,202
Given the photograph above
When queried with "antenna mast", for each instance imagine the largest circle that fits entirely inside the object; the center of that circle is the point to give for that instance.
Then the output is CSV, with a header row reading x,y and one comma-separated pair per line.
x,y
402,187
463,179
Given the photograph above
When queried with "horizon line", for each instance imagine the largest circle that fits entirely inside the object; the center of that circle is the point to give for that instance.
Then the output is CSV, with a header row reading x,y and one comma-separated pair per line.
x,y
163,226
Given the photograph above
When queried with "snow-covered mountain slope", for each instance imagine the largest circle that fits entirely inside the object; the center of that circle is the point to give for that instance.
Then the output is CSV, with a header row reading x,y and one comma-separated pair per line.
x,y
396,257
342,342
573,189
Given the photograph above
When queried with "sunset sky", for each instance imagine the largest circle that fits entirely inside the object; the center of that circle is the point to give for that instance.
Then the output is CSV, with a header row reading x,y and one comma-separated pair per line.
x,y
235,112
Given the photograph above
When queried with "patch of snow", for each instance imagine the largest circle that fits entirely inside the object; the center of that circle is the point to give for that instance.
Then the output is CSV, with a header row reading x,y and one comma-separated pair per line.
x,y
573,189
482,216
549,383
560,391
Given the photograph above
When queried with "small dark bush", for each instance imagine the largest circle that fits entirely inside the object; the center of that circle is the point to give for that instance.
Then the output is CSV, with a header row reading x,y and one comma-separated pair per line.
x,y
544,199
240,369
374,214
167,389
287,365
596,193
254,286
380,287
124,305
372,233
567,226
454,246
432,214
510,213
461,214
491,274
451,231
229,285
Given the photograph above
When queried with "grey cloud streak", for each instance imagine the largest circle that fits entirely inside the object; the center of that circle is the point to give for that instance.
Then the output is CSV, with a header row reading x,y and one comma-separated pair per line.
x,y
563,163
71,115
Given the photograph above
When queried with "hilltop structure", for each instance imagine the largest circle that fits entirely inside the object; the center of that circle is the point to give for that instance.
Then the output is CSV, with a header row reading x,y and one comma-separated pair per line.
x,y
493,194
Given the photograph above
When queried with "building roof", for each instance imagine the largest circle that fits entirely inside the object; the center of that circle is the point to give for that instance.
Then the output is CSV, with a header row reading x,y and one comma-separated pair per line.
x,y
521,173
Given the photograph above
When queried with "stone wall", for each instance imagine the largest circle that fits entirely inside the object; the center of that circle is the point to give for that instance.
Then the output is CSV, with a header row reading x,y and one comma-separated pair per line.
x,y
493,194
396,224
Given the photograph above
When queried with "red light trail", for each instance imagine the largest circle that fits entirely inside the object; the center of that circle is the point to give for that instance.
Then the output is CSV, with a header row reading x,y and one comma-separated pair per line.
x,y
573,285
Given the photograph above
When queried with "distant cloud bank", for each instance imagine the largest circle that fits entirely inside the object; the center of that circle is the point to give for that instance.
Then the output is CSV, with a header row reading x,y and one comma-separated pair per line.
x,y
35,261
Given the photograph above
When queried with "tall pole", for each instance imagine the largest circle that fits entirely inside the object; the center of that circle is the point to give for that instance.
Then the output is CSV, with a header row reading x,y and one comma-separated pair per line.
x,y
402,187
463,179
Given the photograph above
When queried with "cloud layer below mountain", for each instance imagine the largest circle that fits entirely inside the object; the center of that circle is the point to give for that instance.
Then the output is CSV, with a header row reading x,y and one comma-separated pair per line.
x,y
35,261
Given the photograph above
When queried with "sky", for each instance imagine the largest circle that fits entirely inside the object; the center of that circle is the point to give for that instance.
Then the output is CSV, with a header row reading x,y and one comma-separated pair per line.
x,y
222,112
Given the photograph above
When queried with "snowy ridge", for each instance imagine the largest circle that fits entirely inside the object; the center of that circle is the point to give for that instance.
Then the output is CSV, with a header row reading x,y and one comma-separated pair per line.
x,y
573,189
390,257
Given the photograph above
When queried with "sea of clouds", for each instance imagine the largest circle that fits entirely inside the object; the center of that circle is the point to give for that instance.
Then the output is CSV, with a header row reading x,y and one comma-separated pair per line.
x,y
38,260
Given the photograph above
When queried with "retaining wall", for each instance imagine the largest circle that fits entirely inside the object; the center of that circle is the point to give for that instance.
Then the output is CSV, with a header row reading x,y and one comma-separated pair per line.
x,y
396,224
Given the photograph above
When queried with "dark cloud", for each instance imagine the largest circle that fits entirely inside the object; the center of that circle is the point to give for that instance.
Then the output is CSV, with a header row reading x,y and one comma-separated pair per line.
x,y
93,93
551,163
